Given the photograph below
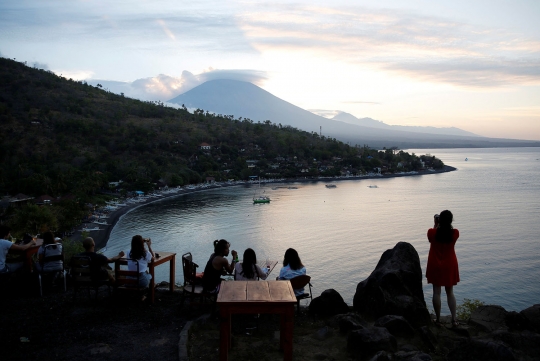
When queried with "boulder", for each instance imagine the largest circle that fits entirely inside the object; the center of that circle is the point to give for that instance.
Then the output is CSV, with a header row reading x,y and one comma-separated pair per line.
x,y
323,333
349,322
522,343
489,318
477,349
381,356
532,314
516,321
394,287
329,303
396,325
428,337
368,341
411,356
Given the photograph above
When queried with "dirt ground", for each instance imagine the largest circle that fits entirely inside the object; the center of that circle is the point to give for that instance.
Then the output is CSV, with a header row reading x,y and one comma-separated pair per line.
x,y
258,339
54,327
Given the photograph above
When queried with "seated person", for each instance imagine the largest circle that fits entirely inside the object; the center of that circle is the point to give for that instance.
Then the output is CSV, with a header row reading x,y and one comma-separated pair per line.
x,y
218,265
247,270
99,270
292,267
144,257
48,238
6,246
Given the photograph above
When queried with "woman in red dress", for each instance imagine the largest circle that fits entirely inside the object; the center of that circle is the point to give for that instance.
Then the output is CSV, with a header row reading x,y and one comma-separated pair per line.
x,y
442,267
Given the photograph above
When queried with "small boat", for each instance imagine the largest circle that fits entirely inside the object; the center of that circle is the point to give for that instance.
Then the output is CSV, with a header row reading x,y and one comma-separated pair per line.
x,y
292,188
466,159
373,186
331,186
88,229
103,223
261,199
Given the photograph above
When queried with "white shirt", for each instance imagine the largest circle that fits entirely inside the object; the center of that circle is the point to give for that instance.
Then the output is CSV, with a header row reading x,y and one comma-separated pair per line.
x,y
238,276
143,263
5,245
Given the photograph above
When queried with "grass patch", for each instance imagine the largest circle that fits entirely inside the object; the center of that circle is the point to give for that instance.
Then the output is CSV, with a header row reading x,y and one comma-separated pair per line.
x,y
468,306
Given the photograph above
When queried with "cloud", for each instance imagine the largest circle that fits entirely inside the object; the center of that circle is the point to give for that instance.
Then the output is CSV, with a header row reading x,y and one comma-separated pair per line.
x,y
427,48
359,102
142,25
39,65
325,112
489,72
74,74
164,87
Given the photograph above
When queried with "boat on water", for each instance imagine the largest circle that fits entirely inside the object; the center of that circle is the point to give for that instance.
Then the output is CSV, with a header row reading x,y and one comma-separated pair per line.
x,y
261,198
330,186
90,229
372,186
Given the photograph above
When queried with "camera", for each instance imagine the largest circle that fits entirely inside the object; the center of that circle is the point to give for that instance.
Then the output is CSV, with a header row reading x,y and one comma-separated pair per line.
x,y
146,240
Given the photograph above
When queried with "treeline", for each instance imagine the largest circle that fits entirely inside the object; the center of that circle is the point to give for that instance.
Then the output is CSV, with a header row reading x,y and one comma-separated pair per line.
x,y
61,136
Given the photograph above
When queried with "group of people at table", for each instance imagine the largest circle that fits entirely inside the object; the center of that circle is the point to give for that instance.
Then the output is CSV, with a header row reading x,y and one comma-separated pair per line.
x,y
138,256
141,254
248,269
442,267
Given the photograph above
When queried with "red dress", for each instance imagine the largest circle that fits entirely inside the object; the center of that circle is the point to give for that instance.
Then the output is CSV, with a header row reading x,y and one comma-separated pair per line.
x,y
442,266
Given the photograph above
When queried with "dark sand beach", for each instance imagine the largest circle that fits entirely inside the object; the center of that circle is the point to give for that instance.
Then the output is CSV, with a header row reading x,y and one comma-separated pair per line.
x,y
102,237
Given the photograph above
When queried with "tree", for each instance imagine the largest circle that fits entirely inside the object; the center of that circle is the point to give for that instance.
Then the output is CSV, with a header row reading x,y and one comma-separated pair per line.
x,y
33,219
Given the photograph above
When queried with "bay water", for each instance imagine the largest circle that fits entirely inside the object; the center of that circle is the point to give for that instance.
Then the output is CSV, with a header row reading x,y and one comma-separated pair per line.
x,y
340,233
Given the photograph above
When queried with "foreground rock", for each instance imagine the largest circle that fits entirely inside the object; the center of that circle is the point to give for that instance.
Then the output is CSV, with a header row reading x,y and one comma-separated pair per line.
x,y
394,287
329,303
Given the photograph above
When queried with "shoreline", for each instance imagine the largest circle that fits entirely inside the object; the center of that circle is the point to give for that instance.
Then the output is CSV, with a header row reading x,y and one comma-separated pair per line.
x,y
101,238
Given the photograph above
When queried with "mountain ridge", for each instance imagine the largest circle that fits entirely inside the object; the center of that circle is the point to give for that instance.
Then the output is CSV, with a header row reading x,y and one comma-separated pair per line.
x,y
370,122
246,100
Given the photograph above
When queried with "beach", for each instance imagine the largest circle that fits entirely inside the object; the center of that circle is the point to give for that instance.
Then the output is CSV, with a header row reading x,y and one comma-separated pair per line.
x,y
102,236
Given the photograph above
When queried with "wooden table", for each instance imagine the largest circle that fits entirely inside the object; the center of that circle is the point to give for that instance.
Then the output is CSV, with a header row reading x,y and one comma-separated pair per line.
x,y
164,257
253,297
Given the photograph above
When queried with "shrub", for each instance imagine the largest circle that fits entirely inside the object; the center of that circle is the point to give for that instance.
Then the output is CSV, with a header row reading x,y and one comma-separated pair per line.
x,y
71,248
468,306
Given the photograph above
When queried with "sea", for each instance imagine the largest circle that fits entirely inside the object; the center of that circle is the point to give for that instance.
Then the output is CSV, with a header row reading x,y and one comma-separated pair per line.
x,y
341,233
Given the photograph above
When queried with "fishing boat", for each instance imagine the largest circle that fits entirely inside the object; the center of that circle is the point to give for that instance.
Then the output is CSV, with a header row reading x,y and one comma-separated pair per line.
x,y
261,198
373,186
331,186
103,223
89,229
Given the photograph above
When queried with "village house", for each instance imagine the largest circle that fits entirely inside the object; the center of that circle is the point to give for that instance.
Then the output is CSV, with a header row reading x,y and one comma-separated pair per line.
x,y
205,146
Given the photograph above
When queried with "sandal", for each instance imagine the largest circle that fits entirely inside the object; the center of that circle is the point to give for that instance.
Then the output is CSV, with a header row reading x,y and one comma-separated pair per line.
x,y
455,323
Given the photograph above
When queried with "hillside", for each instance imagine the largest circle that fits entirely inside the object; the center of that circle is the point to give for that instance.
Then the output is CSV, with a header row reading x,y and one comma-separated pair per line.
x,y
242,99
63,137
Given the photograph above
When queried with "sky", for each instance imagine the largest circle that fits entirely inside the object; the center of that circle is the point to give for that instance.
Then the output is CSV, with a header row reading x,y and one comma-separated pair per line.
x,y
471,64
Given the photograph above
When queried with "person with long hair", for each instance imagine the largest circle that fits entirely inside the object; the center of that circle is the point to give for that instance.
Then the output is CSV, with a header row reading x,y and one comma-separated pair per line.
x,y
218,265
48,238
292,267
442,266
248,270
139,253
